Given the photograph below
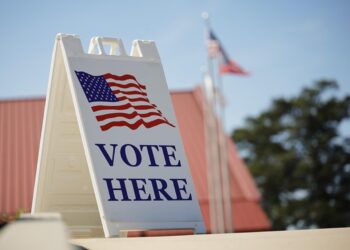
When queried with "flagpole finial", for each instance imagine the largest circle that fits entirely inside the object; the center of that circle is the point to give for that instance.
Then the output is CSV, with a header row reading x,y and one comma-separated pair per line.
x,y
205,15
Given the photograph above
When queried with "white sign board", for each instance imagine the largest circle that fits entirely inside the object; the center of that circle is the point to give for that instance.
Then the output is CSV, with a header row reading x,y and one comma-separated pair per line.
x,y
110,137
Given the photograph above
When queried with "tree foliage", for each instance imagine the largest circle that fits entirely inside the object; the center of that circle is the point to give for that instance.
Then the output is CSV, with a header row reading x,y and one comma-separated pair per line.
x,y
300,159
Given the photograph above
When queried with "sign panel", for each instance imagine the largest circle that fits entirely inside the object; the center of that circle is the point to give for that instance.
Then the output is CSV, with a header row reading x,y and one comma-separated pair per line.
x,y
131,143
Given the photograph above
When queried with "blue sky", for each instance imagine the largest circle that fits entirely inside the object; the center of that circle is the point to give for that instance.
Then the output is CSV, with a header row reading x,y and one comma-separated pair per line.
x,y
285,44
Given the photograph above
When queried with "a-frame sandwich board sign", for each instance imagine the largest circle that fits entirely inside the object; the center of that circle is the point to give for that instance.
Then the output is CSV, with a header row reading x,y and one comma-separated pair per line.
x,y
111,155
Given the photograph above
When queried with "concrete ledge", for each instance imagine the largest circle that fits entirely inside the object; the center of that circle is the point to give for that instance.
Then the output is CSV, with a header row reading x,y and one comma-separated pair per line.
x,y
302,239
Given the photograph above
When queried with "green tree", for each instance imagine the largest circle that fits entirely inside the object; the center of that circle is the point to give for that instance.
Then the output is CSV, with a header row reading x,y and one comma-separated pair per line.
x,y
300,159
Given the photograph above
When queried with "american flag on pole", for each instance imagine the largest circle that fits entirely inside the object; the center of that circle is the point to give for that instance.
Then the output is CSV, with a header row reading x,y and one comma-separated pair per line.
x,y
120,101
227,65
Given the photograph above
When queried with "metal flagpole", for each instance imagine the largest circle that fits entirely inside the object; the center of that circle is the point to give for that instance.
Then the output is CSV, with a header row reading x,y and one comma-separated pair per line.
x,y
209,157
225,167
207,106
216,205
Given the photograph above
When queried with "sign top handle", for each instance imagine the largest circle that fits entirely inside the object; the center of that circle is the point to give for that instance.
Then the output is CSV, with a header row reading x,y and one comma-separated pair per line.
x,y
140,49
97,43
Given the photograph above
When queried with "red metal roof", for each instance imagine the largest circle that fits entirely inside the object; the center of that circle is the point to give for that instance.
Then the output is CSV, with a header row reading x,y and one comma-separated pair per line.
x,y
248,216
242,184
190,121
20,126
246,211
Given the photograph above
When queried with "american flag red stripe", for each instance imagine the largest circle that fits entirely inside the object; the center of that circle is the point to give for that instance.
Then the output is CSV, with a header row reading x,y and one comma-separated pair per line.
x,y
126,115
122,107
135,125
133,99
121,78
127,85
135,92
120,101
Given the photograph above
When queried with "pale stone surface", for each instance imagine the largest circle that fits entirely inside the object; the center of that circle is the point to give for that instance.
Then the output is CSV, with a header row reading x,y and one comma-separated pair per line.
x,y
282,240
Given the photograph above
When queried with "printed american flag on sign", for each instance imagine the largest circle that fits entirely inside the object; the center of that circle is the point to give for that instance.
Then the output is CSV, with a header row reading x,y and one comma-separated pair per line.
x,y
120,101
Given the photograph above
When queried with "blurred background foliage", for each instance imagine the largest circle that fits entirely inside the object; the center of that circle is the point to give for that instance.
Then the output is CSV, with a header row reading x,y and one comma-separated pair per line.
x,y
300,157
